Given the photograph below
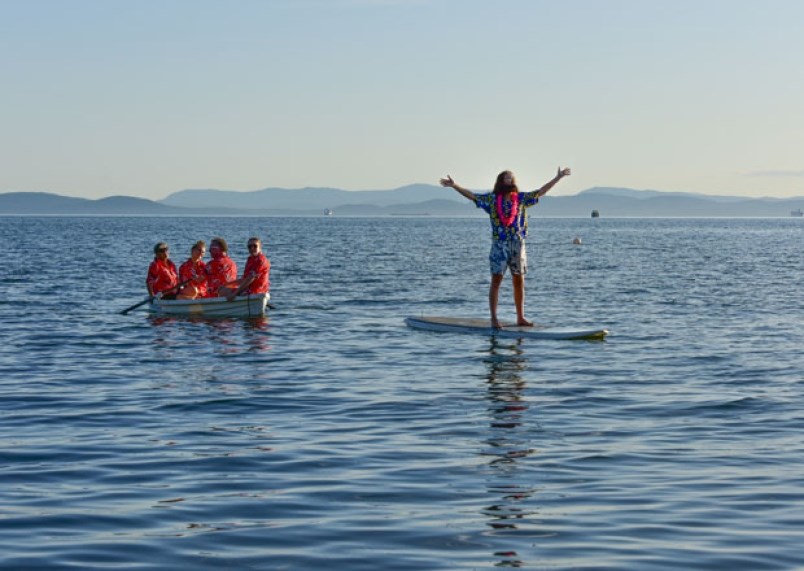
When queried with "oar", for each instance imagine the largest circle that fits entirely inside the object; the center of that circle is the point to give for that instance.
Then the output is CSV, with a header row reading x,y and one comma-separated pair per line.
x,y
150,298
136,305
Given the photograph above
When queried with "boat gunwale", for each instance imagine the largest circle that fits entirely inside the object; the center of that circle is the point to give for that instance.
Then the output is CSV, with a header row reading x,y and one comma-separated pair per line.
x,y
211,300
241,306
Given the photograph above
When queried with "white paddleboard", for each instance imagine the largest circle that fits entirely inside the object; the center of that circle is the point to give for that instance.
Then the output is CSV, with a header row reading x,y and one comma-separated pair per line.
x,y
483,327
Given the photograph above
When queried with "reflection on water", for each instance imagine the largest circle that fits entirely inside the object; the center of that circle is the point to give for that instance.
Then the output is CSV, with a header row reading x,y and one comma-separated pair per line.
x,y
508,444
227,336
335,437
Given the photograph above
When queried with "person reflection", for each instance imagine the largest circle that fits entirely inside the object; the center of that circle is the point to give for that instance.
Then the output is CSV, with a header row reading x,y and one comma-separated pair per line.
x,y
256,332
226,337
508,443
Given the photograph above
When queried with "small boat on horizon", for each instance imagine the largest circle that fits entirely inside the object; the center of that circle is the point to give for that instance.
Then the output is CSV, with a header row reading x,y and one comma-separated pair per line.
x,y
328,212
798,213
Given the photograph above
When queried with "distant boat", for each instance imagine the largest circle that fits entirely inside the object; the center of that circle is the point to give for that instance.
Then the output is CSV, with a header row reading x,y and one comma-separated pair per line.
x,y
327,212
595,214
798,213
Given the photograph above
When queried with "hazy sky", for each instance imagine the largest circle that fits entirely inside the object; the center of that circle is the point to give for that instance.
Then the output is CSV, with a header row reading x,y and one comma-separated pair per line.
x,y
147,97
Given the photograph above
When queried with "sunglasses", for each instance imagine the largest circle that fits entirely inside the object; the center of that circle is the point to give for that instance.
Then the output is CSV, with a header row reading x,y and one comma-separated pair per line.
x,y
250,246
160,250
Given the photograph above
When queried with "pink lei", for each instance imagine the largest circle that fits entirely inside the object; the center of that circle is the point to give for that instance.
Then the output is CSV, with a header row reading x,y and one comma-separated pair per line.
x,y
508,220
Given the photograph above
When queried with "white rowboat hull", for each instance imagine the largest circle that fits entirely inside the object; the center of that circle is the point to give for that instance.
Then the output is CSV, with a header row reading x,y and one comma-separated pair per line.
x,y
242,306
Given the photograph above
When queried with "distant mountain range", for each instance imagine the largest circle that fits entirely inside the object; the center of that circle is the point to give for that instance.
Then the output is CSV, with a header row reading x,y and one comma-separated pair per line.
x,y
412,200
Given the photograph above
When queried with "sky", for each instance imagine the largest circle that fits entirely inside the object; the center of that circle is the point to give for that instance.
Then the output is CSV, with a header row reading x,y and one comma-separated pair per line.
x,y
148,97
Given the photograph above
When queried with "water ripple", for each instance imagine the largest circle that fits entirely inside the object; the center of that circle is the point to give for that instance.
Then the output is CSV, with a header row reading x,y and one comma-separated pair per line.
x,y
330,435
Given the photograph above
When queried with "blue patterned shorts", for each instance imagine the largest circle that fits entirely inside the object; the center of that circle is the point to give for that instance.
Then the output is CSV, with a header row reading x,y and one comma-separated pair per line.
x,y
509,253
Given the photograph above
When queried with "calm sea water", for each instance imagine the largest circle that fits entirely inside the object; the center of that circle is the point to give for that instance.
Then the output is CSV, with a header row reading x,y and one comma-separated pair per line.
x,y
329,435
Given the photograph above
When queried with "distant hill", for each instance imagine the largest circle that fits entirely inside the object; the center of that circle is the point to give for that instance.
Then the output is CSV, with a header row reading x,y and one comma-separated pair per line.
x,y
307,198
413,200
54,204
425,199
616,202
436,207
643,194
43,203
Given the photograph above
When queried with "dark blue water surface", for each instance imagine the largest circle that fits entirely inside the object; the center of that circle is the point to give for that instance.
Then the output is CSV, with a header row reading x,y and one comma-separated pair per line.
x,y
329,435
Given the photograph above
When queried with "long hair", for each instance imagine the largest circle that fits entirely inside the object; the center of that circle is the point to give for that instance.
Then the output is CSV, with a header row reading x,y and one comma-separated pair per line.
x,y
501,188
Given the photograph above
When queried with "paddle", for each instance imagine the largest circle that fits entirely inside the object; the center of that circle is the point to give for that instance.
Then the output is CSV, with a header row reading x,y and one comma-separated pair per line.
x,y
150,298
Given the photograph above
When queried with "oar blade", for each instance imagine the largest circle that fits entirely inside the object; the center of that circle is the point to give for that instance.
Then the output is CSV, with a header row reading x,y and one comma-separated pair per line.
x,y
136,305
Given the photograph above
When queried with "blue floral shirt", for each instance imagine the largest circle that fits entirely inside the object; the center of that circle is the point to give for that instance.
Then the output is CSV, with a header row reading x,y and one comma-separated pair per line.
x,y
519,227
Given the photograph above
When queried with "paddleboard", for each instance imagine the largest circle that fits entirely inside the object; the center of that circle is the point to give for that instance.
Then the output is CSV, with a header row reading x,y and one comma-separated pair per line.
x,y
511,330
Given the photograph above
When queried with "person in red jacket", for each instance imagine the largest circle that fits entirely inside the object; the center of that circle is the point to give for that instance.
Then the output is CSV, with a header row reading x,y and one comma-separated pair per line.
x,y
162,275
193,272
221,270
256,276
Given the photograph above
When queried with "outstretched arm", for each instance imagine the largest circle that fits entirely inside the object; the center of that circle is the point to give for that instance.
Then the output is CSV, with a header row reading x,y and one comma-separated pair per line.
x,y
561,174
452,184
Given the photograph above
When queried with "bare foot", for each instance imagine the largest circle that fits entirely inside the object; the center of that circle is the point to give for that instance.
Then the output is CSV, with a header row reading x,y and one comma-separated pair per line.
x,y
495,324
524,322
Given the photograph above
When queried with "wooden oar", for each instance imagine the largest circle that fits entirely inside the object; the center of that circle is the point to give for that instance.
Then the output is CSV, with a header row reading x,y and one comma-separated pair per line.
x,y
150,298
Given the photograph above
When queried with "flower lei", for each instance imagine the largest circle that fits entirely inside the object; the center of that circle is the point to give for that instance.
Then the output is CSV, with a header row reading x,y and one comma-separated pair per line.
x,y
509,219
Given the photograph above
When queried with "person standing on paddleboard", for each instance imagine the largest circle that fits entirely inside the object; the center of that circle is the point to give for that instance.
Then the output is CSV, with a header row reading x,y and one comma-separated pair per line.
x,y
506,208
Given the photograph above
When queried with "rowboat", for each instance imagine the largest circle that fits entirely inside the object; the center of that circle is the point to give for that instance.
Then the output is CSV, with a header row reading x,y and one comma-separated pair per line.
x,y
242,306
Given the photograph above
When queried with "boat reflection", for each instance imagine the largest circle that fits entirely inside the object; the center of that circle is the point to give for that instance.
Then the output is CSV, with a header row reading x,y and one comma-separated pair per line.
x,y
225,336
508,444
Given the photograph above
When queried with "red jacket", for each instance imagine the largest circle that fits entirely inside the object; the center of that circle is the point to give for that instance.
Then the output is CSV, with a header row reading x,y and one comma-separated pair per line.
x,y
219,273
190,271
162,276
258,266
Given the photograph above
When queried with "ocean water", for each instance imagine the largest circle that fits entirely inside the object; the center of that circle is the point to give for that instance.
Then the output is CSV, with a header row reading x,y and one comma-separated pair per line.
x,y
330,435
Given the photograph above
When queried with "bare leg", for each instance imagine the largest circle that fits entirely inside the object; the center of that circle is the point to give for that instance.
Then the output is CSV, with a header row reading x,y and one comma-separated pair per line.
x,y
188,292
494,295
226,291
518,281
229,289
